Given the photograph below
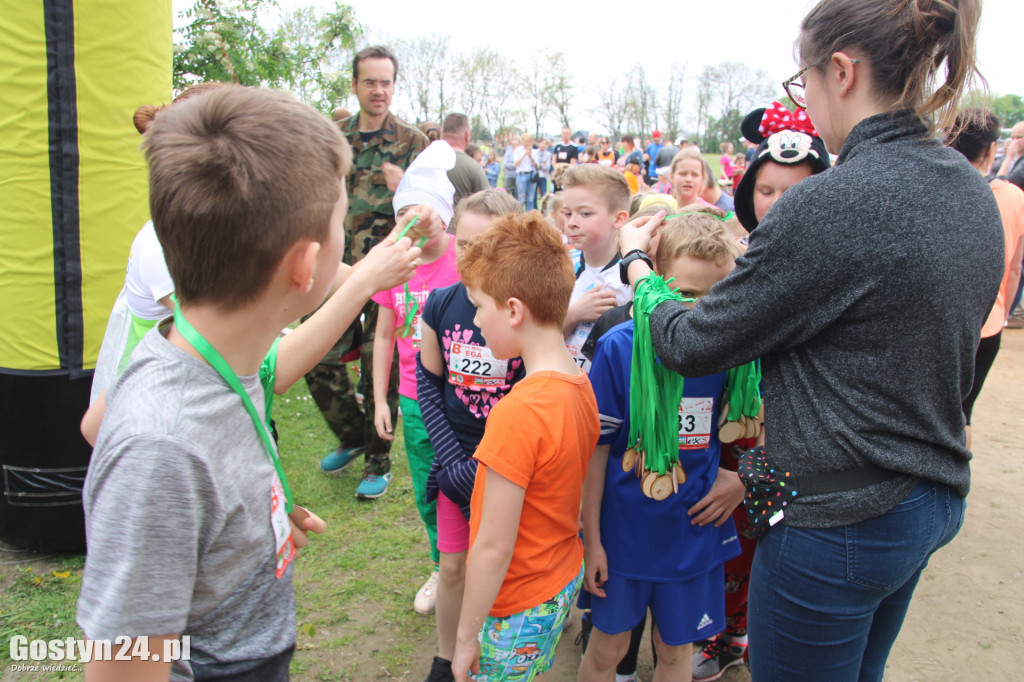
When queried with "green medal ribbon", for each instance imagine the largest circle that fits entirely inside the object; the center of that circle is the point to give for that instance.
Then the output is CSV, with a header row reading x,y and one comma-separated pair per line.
x,y
211,355
743,390
411,304
655,391
728,216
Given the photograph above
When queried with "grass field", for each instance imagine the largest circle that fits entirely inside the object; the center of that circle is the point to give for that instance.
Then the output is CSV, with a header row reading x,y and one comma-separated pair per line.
x,y
354,585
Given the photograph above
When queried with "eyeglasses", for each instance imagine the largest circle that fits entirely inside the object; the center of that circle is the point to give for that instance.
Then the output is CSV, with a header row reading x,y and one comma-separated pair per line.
x,y
795,90
371,84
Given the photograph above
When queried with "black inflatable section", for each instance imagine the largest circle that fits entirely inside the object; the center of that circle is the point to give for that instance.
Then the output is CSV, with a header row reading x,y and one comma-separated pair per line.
x,y
43,460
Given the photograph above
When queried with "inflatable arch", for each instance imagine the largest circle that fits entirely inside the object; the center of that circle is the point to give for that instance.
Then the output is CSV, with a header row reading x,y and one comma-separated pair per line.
x,y
72,197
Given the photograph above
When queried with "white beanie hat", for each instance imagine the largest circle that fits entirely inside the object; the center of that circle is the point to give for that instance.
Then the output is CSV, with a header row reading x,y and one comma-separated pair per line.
x,y
426,181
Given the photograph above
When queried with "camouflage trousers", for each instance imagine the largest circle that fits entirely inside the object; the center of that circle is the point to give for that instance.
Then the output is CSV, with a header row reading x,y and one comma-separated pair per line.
x,y
331,387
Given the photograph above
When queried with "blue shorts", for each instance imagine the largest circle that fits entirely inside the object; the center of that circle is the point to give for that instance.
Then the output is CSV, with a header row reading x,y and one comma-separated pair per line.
x,y
684,611
522,646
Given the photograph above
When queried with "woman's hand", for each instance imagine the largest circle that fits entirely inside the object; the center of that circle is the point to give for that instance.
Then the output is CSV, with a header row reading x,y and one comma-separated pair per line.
x,y
636,234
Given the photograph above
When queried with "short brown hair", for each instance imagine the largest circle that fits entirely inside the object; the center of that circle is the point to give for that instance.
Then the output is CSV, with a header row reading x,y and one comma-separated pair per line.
x,y
606,182
455,124
373,52
236,177
522,256
492,202
697,234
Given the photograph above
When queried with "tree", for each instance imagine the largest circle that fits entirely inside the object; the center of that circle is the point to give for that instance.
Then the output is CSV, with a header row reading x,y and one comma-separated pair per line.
x,y
425,67
225,41
642,101
1009,109
559,87
672,101
480,75
536,86
727,92
321,46
501,110
705,92
614,108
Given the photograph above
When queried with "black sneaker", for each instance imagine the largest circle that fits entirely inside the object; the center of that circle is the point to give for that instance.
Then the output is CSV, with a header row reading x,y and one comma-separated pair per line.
x,y
440,671
717,656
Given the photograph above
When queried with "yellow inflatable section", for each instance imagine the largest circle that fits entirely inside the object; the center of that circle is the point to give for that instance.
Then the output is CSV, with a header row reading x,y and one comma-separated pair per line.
x,y
72,178
72,196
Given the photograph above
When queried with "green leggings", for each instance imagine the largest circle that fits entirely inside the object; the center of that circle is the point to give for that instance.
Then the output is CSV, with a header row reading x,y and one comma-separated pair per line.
x,y
421,457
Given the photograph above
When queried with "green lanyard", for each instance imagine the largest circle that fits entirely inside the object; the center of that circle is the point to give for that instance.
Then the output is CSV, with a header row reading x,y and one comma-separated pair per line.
x,y
211,355
655,391
728,216
743,390
411,302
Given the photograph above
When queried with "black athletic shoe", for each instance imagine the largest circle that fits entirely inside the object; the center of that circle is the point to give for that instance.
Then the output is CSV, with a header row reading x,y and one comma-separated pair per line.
x,y
440,671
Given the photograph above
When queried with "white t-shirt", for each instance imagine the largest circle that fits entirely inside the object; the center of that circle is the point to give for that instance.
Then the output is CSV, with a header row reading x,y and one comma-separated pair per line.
x,y
590,278
147,281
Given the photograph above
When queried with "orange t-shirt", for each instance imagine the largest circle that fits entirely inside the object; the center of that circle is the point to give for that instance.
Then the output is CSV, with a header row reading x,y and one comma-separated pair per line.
x,y
540,436
1011,209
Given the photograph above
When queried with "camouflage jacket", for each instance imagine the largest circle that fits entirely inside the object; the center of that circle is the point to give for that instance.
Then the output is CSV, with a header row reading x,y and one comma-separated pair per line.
x,y
370,214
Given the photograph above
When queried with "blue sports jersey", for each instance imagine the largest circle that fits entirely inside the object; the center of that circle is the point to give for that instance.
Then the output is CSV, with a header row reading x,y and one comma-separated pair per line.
x,y
646,539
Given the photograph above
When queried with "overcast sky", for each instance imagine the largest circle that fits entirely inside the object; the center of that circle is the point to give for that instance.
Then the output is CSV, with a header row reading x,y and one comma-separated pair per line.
x,y
601,41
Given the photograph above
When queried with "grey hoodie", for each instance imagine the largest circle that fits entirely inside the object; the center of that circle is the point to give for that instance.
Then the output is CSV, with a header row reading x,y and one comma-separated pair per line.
x,y
863,292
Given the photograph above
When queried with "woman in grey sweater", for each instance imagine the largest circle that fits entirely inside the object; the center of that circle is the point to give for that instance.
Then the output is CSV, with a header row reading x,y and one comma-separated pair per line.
x,y
863,292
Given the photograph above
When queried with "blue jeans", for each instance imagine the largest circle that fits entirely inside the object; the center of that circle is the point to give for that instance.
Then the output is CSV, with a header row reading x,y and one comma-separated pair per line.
x,y
526,190
827,604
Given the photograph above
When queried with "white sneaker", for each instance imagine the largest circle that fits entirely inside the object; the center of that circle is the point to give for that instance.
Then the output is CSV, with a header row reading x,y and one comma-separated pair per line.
x,y
426,598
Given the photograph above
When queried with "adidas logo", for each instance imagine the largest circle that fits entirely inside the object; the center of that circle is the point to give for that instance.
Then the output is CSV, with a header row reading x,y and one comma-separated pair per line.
x,y
705,621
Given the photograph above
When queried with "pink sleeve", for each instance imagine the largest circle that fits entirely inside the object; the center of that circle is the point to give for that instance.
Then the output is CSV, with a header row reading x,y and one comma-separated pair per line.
x,y
384,298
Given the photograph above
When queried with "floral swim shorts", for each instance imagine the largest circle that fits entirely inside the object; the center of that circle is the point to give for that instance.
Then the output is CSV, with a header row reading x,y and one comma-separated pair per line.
x,y
522,646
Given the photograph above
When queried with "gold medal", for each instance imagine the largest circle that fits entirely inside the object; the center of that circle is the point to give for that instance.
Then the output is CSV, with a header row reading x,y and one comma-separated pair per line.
x,y
648,483
751,431
661,487
731,432
629,459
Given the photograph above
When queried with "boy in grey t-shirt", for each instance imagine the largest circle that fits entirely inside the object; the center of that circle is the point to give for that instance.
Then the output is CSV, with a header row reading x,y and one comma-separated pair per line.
x,y
186,505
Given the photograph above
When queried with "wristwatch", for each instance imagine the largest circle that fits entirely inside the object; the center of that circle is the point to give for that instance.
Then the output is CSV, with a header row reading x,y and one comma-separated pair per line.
x,y
635,254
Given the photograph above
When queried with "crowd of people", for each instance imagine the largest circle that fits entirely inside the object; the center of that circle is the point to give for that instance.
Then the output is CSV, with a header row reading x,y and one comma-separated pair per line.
x,y
674,396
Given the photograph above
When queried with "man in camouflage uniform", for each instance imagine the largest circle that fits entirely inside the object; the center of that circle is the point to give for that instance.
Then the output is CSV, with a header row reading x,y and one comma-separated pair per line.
x,y
383,146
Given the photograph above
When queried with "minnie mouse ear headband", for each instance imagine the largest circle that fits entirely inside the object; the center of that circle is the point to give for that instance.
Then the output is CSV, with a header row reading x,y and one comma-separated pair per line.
x,y
785,137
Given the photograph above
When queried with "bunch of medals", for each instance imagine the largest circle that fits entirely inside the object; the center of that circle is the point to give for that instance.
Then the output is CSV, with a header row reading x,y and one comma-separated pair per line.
x,y
654,397
743,412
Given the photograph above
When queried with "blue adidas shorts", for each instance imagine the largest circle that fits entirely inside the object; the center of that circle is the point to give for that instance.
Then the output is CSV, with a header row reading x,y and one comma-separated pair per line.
x,y
685,611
